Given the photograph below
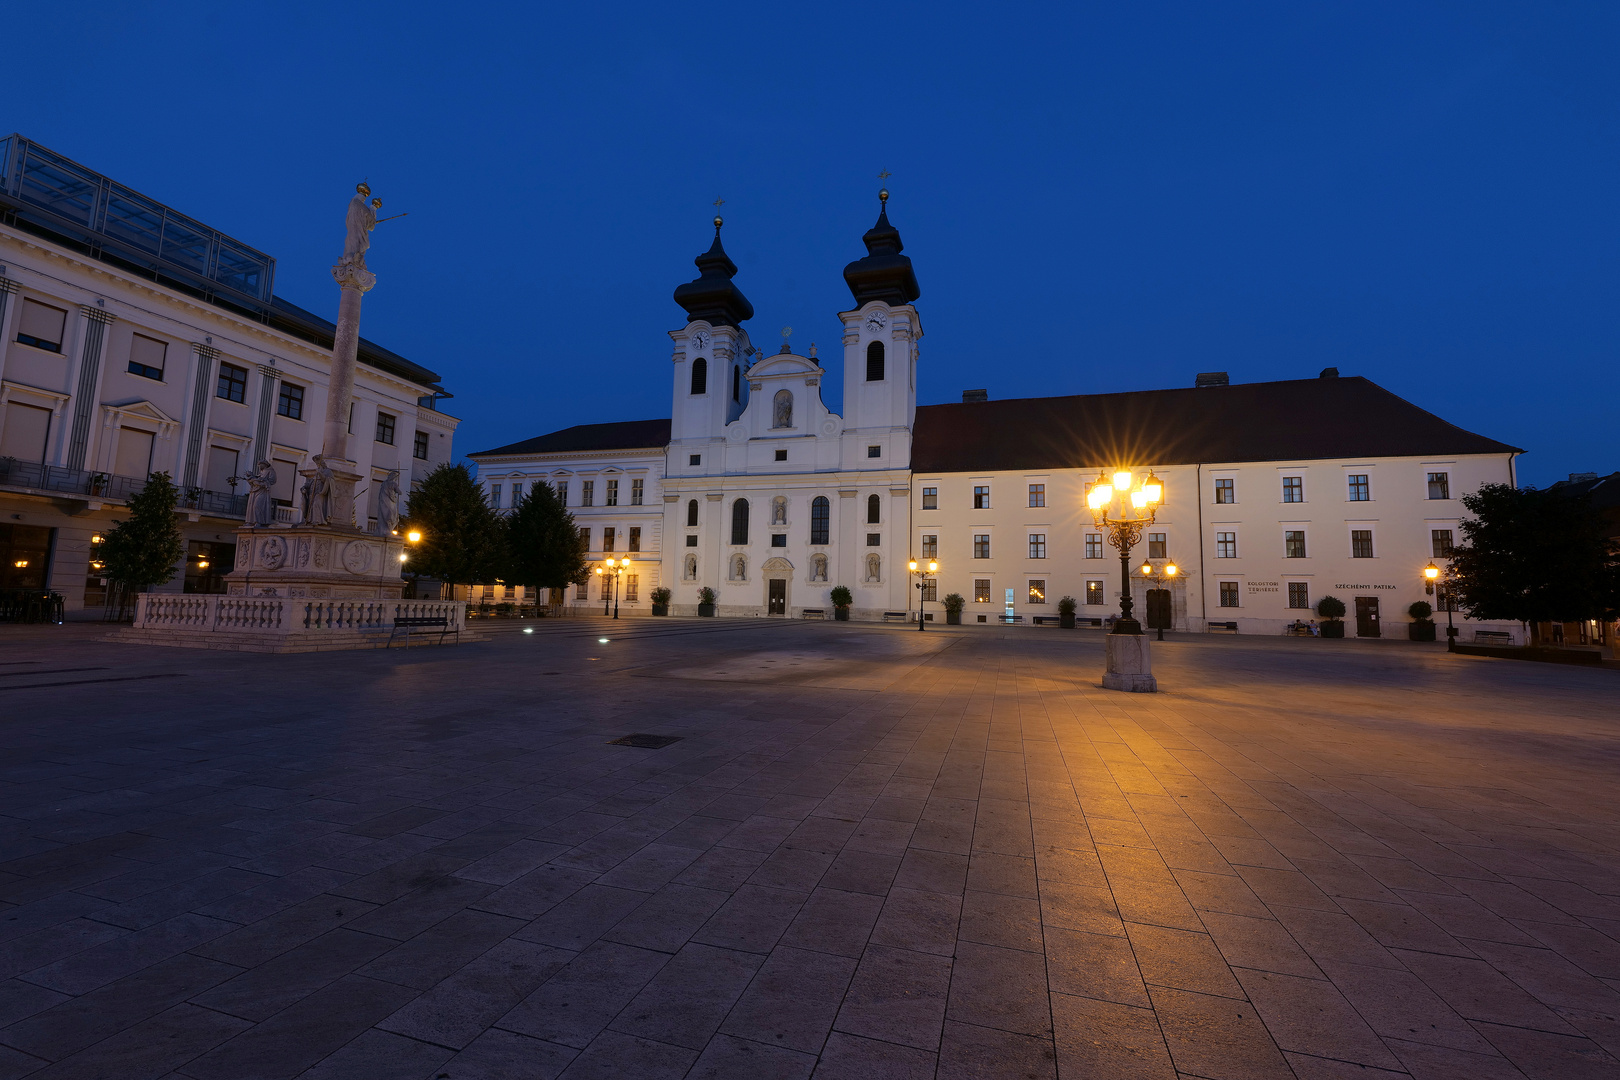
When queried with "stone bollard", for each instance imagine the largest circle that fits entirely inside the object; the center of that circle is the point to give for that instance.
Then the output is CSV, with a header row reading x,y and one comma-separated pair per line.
x,y
1130,664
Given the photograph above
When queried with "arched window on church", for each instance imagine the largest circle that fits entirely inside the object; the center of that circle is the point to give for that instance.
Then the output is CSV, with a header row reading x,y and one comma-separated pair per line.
x,y
700,376
782,409
874,508
691,568
739,521
874,362
736,382
820,517
691,513
874,568
739,568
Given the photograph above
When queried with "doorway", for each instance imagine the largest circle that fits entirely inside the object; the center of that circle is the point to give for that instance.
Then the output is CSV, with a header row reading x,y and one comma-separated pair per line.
x,y
1158,609
1367,616
776,602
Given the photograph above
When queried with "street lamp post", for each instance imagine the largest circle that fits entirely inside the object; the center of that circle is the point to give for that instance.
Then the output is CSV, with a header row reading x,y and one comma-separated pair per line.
x,y
1431,575
922,573
612,568
1160,576
1123,507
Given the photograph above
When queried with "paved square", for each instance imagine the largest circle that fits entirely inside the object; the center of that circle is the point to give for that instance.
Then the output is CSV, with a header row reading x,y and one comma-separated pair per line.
x,y
873,853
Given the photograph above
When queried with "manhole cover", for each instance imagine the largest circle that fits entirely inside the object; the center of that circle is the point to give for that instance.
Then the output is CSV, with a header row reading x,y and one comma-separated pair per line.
x,y
645,742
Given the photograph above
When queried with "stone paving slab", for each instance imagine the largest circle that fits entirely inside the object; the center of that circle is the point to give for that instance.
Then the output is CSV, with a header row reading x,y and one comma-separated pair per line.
x,y
871,854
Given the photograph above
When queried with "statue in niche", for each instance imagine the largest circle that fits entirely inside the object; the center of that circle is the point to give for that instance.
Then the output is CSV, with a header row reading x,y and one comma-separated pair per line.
x,y
739,568
388,504
261,506
779,511
818,568
782,409
874,568
691,568
318,497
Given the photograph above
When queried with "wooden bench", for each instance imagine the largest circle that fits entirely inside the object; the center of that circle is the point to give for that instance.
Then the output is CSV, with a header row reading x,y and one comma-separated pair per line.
x,y
1492,637
813,613
411,623
897,616
1046,620
1298,629
1009,618
1228,626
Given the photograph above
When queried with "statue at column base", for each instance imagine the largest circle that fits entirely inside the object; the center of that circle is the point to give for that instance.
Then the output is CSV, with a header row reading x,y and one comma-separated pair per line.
x,y
328,493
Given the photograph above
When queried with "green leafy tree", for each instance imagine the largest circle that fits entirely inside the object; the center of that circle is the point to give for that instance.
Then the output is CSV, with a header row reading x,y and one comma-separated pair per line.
x,y
461,535
543,548
1534,556
144,550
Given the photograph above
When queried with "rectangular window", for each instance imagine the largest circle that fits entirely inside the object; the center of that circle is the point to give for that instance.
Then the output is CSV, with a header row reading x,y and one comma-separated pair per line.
x,y
874,539
632,587
1293,489
1441,539
612,493
1158,544
1360,490
495,496
1037,591
41,326
1094,593
610,535
1443,600
1226,545
146,357
981,590
1439,485
781,455
635,538
583,591
585,538
981,497
1037,494
930,498
1229,594
981,545
517,495
385,428
638,489
1093,545
607,587
780,539
232,385
930,591
1361,544
1299,595
1225,492
419,446
1294,544
694,459
290,403
691,541
587,493
930,546
1037,545
874,451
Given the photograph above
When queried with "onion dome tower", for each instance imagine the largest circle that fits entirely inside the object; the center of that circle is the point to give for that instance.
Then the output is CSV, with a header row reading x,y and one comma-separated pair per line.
x,y
884,274
713,298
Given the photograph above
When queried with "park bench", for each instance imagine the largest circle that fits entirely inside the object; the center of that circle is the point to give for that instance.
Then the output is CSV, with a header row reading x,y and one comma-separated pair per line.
x,y
1228,626
813,613
409,624
1011,618
1046,620
1299,629
896,616
1492,637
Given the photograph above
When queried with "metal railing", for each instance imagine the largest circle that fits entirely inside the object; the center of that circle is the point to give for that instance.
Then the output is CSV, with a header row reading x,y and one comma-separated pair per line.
x,y
34,476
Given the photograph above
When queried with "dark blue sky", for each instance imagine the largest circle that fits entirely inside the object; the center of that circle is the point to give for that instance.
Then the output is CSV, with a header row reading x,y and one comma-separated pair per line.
x,y
1097,197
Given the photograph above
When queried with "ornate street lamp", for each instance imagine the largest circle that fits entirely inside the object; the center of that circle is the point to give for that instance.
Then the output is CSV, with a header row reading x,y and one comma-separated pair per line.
x,y
1123,508
922,573
1160,577
613,568
1431,575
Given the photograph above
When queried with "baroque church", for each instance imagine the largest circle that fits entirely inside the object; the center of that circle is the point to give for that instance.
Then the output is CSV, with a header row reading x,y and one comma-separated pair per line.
x,y
1276,494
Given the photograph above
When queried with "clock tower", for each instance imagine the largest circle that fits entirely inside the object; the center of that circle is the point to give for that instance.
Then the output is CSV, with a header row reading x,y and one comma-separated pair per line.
x,y
880,350
710,360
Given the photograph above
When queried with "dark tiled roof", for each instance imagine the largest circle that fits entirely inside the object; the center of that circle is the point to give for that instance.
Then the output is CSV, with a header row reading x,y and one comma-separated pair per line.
x,y
1302,419
585,438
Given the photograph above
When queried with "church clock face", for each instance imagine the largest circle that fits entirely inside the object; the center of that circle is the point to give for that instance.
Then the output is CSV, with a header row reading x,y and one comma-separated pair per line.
x,y
700,340
876,321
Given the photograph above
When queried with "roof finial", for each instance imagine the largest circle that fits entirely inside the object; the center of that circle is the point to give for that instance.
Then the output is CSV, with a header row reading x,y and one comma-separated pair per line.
x,y
718,220
883,194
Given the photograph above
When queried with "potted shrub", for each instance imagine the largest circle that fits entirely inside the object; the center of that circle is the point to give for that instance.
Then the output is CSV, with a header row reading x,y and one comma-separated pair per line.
x,y
1331,608
1066,608
660,599
953,609
841,598
1422,627
706,599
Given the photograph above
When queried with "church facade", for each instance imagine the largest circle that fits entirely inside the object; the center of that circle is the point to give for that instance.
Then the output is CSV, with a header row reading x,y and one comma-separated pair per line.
x,y
1276,494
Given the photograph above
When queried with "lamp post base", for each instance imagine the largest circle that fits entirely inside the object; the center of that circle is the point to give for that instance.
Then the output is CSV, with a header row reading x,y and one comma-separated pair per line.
x,y
1130,664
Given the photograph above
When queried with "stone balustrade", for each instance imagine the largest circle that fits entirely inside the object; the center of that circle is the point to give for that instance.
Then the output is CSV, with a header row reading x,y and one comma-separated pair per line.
x,y
285,615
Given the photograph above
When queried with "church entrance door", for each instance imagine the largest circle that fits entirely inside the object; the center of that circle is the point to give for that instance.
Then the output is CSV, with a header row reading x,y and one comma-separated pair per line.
x,y
777,601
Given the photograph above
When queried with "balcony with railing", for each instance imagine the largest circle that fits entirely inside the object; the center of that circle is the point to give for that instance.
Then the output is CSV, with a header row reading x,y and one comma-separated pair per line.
x,y
34,478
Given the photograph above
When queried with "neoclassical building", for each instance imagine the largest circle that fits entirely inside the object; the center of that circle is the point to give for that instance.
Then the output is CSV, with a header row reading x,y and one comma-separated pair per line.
x,y
1276,494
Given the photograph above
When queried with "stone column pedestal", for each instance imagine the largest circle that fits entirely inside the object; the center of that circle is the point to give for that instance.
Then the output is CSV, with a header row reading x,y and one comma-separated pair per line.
x,y
316,562
1130,664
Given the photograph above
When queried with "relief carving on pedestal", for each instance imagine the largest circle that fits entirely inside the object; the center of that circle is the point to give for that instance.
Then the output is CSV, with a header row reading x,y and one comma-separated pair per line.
x,y
273,554
357,557
323,554
301,552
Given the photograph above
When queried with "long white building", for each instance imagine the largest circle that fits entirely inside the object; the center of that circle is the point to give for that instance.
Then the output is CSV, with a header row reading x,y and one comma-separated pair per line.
x,y
1275,494
133,340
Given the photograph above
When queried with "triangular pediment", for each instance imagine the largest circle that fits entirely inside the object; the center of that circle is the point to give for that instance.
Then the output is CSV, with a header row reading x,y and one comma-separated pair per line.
x,y
142,408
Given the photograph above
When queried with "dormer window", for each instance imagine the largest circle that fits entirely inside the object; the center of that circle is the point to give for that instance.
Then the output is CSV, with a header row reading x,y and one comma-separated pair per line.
x,y
874,362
